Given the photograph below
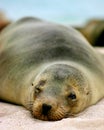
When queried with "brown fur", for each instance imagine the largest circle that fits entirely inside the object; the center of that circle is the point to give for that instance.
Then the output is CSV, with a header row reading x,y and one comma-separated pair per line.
x,y
4,21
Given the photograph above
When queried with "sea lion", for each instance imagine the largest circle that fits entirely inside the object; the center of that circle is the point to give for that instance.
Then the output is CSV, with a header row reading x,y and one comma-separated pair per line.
x,y
4,21
49,68
93,31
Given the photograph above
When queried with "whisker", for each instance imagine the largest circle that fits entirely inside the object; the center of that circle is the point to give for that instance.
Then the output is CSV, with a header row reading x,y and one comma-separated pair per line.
x,y
29,105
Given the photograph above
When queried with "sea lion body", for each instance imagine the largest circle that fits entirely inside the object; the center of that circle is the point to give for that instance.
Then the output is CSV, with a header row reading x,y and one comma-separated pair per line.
x,y
42,64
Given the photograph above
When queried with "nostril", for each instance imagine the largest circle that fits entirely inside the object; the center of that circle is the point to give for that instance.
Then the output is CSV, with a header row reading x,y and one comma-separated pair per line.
x,y
46,108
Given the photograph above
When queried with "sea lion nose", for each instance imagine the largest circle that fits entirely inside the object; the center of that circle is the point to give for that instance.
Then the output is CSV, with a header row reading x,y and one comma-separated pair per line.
x,y
46,108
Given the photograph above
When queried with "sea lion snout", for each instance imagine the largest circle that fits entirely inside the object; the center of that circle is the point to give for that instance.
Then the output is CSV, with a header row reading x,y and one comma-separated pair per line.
x,y
48,111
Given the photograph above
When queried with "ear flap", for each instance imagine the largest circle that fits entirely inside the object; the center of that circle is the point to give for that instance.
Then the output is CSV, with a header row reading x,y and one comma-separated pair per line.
x,y
86,90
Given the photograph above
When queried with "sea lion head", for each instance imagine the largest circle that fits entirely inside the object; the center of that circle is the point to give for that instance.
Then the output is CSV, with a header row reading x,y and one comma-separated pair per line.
x,y
59,91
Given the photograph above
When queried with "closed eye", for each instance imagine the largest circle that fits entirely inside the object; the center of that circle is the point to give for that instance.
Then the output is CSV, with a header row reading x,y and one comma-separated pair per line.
x,y
39,86
37,90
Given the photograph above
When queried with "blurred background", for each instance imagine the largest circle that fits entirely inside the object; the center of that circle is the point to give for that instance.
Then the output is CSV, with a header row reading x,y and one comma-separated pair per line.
x,y
87,16
74,12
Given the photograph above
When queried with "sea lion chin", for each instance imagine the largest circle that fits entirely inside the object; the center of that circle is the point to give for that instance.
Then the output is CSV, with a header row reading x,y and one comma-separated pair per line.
x,y
49,68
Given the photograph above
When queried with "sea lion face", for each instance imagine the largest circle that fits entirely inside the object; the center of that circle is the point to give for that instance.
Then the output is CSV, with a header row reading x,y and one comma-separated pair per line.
x,y
60,91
